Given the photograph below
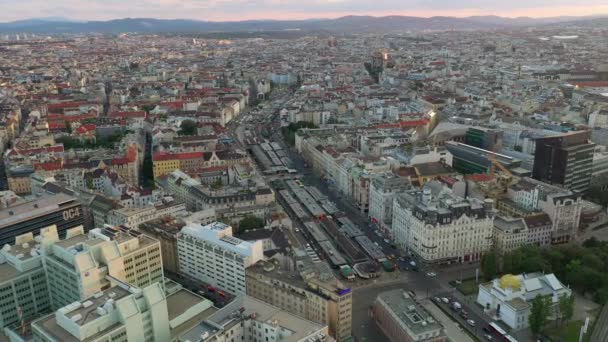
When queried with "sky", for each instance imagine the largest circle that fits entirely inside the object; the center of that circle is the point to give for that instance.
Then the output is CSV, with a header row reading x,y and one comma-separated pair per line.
x,y
235,10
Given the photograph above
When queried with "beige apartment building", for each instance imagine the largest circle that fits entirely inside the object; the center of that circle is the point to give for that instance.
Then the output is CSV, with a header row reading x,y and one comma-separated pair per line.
x,y
323,302
77,267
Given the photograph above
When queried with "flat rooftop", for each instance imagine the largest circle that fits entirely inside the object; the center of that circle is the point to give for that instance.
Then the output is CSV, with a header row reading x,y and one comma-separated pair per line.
x,y
225,317
87,309
182,300
31,209
409,312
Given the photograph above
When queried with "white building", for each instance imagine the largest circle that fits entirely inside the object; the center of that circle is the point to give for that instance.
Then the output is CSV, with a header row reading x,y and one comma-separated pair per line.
x,y
382,191
78,266
211,254
563,206
123,313
441,227
508,298
599,175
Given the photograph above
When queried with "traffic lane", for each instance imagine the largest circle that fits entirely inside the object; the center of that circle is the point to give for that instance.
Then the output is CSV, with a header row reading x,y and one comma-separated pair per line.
x,y
363,298
480,321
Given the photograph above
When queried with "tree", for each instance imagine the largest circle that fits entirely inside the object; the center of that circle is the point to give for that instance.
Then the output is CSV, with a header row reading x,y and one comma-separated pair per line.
x,y
250,223
592,242
217,184
539,314
188,127
148,172
68,127
566,307
148,107
290,131
488,265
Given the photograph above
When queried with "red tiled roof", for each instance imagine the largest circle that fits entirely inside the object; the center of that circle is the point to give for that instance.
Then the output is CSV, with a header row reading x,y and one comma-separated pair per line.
x,y
48,166
159,156
134,114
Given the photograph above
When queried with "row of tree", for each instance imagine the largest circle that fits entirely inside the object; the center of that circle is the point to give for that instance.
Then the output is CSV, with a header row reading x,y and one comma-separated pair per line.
x,y
582,267
100,141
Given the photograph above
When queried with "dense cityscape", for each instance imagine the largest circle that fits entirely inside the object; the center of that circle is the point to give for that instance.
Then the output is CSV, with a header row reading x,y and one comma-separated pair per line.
x,y
423,185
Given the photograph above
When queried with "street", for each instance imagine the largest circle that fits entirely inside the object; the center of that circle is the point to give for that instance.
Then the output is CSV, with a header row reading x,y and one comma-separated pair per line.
x,y
365,292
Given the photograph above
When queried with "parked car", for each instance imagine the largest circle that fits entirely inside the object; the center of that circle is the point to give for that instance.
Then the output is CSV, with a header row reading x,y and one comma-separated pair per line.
x,y
445,300
471,322
488,337
456,306
431,274
437,300
464,314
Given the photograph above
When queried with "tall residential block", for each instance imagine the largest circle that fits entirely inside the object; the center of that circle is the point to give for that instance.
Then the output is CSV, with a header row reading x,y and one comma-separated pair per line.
x,y
78,265
211,254
24,293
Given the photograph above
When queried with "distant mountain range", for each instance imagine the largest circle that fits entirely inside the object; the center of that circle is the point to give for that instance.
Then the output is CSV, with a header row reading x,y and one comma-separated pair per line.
x,y
348,24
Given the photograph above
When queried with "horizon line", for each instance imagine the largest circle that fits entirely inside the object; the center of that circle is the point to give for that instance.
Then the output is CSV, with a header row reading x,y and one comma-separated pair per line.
x,y
67,19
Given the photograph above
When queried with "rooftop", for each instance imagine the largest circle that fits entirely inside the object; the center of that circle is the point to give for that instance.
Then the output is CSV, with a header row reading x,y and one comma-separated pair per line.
x,y
31,209
412,314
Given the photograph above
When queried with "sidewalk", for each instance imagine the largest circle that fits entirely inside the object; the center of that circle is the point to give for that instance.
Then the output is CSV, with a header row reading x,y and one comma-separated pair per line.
x,y
452,329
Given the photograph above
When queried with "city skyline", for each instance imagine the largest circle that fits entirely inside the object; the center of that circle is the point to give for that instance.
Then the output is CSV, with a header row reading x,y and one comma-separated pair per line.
x,y
236,10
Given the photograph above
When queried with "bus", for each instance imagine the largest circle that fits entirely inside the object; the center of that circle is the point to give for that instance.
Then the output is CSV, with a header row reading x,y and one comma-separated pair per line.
x,y
500,332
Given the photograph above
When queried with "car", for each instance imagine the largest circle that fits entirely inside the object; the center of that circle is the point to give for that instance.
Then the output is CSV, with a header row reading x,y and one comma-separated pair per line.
x,y
445,300
431,274
297,230
464,314
437,300
488,337
471,322
487,329
387,241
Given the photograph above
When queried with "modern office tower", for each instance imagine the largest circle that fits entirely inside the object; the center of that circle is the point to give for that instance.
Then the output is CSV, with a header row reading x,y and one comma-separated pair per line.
x,y
61,210
211,254
248,319
484,138
565,160
123,313
326,302
24,293
78,265
469,159
402,319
